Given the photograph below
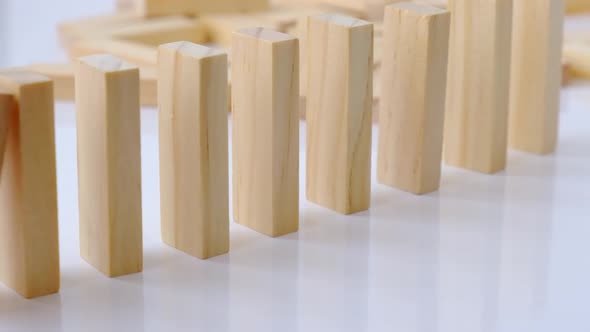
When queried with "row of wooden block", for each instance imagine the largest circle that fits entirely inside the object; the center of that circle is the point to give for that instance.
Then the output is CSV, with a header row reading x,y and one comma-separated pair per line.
x,y
192,92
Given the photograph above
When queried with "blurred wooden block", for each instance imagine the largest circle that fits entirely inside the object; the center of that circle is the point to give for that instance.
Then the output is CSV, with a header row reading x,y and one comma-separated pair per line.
x,y
416,39
109,164
566,75
476,123
137,54
163,30
577,6
29,251
193,126
577,55
339,108
373,9
265,97
537,33
196,7
95,27
7,106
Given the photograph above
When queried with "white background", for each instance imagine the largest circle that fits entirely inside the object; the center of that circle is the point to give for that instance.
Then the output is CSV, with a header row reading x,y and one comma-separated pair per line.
x,y
507,252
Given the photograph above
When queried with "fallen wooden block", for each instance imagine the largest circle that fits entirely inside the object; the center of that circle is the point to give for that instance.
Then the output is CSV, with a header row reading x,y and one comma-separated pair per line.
x,y
339,108
416,39
476,123
196,7
161,31
29,251
194,190
109,164
577,6
537,33
7,105
94,27
265,124
577,55
137,54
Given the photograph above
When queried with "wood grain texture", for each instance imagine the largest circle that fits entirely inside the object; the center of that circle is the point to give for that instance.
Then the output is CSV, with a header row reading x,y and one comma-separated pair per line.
x,y
7,106
537,37
194,186
416,39
109,164
265,124
476,122
339,110
29,250
196,7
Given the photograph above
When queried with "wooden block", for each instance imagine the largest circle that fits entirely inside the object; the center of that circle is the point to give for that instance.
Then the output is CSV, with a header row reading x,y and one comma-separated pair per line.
x,y
537,35
416,40
194,185
339,102
196,7
109,164
476,122
138,54
577,55
373,9
163,30
95,27
29,251
566,75
7,105
577,6
265,74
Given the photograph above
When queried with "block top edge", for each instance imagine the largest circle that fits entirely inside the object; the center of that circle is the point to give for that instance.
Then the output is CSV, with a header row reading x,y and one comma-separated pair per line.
x,y
22,76
418,8
107,63
265,34
194,50
343,20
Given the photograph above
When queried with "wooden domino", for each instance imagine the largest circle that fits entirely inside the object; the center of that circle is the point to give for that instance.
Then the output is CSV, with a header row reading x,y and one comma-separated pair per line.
x,y
476,122
6,110
577,6
137,54
161,31
339,110
577,56
196,7
109,164
94,27
194,186
265,124
29,251
414,74
537,33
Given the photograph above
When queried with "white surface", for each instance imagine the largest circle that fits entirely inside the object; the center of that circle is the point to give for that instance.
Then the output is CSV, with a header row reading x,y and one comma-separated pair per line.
x,y
506,253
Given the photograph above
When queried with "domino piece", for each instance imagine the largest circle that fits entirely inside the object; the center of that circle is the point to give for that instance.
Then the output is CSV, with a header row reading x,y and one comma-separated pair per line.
x,y
29,251
94,27
373,9
194,175
476,122
196,7
416,39
163,30
577,55
6,110
339,110
265,97
577,6
537,33
109,164
137,54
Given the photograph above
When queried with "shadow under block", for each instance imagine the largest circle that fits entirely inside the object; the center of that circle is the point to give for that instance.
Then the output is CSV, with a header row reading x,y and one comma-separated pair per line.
x,y
416,39
265,100
109,164
196,7
537,36
194,185
476,120
339,110
29,250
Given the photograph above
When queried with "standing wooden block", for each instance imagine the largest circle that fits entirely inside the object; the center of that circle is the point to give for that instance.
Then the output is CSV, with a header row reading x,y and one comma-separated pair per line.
x,y
476,121
536,75
109,164
339,110
265,106
29,250
194,186
6,111
416,40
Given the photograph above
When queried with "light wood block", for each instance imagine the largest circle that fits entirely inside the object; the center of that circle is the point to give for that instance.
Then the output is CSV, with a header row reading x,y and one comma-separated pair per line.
x,y
196,7
137,54
29,250
577,6
537,36
339,110
373,9
155,32
109,164
95,27
476,122
7,105
577,55
194,185
265,97
416,40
